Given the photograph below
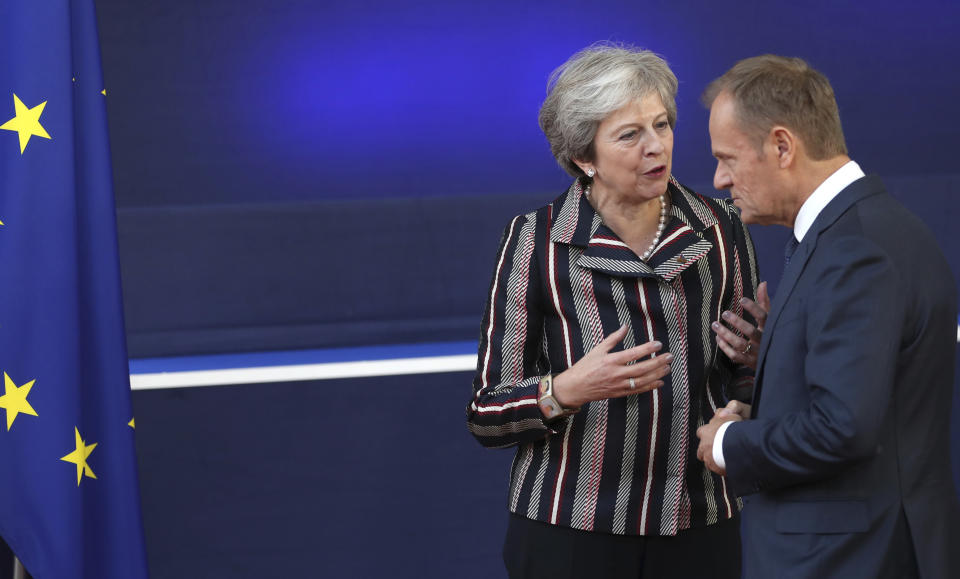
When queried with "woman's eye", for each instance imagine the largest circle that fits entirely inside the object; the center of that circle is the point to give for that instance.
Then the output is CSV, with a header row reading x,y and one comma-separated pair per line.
x,y
628,135
662,125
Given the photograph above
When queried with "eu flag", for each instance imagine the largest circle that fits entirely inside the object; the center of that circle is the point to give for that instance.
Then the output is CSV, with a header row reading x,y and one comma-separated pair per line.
x,y
69,495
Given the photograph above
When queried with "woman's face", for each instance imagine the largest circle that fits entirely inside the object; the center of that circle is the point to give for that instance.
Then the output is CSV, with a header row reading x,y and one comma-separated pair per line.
x,y
633,151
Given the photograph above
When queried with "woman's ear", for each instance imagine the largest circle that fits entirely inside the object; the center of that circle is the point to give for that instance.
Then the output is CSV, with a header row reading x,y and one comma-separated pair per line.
x,y
587,167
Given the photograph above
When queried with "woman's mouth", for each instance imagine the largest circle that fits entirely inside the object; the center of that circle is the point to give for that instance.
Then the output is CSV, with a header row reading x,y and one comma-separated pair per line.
x,y
657,171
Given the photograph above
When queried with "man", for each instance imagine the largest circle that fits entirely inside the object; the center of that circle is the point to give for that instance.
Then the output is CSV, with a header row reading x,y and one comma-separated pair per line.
x,y
844,451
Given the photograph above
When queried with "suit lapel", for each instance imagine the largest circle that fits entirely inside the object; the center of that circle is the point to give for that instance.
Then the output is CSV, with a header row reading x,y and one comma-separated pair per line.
x,y
789,280
852,194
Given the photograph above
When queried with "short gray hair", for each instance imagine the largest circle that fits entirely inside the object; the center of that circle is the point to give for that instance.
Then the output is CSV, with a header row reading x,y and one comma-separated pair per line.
x,y
593,83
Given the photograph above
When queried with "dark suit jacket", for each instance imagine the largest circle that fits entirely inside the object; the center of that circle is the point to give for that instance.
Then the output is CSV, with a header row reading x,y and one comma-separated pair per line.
x,y
847,455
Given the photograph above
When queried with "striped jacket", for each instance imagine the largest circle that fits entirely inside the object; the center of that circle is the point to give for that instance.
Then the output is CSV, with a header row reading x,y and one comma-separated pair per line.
x,y
562,282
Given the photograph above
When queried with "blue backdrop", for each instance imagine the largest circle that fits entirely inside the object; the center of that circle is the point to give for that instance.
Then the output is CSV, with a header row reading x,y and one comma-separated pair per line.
x,y
280,164
301,174
291,100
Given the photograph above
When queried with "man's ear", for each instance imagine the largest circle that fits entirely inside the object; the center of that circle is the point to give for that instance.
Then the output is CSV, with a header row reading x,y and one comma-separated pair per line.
x,y
785,143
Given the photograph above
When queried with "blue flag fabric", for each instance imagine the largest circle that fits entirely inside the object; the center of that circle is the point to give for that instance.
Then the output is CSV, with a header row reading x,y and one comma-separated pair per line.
x,y
69,494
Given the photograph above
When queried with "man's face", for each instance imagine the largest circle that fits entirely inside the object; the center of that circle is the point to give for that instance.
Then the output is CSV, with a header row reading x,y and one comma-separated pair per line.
x,y
748,171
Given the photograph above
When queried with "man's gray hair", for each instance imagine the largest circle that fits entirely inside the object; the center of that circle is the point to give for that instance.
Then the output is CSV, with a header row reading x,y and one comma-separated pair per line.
x,y
771,90
593,83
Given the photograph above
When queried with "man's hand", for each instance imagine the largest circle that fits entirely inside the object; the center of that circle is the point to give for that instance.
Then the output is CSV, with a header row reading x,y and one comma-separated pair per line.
x,y
707,432
735,407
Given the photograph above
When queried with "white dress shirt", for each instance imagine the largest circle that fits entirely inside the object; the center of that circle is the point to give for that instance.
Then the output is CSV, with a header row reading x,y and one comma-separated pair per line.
x,y
811,208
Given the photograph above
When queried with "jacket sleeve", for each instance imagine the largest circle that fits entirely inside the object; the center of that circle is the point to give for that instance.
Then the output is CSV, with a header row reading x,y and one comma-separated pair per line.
x,y
510,362
746,278
852,327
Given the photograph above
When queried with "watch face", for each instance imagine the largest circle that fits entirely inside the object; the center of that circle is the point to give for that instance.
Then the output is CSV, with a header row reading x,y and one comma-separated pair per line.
x,y
549,408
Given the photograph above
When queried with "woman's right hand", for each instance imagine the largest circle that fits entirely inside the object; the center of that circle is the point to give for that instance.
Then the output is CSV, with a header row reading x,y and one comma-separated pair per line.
x,y
601,374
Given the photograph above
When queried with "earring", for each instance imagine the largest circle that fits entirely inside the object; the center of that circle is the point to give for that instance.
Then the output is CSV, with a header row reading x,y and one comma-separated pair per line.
x,y
591,172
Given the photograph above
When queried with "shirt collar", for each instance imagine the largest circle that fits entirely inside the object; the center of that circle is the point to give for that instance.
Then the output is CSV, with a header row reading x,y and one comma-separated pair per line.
x,y
823,195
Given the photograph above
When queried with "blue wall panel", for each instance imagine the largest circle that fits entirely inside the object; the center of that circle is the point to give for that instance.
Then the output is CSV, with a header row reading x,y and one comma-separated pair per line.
x,y
360,478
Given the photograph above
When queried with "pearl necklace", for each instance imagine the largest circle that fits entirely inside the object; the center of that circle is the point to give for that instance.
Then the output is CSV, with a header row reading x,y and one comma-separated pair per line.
x,y
660,226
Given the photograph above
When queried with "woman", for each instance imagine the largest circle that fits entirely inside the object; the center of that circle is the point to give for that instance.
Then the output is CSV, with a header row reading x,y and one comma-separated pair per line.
x,y
596,358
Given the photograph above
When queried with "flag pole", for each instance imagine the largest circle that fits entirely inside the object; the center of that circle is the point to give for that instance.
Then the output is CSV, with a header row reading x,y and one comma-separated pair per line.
x,y
18,571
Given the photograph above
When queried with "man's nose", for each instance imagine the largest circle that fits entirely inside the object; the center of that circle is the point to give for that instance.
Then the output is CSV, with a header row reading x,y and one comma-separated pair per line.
x,y
721,179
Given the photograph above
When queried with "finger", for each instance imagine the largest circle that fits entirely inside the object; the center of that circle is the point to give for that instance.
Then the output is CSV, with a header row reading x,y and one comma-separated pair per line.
x,y
612,340
648,387
741,408
763,297
736,342
646,366
640,388
736,355
734,406
734,409
643,381
636,352
728,416
755,310
745,327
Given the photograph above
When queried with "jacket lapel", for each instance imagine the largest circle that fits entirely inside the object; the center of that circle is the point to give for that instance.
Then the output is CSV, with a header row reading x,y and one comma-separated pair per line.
x,y
681,246
846,199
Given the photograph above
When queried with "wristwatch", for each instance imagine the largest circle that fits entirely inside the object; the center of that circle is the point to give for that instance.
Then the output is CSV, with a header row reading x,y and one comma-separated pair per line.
x,y
548,404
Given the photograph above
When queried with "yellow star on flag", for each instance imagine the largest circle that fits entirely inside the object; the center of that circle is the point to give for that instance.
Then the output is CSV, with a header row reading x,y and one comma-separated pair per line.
x,y
79,457
15,399
132,424
26,122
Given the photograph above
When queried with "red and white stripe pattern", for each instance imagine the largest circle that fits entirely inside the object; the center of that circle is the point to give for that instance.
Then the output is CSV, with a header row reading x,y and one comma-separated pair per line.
x,y
630,440
674,311
610,242
588,481
563,281
653,438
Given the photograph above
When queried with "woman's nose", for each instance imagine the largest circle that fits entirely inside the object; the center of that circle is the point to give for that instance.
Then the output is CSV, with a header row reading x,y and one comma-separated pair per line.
x,y
654,146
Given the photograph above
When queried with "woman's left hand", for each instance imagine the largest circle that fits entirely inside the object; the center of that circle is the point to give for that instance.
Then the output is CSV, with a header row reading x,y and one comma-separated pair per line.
x,y
743,345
